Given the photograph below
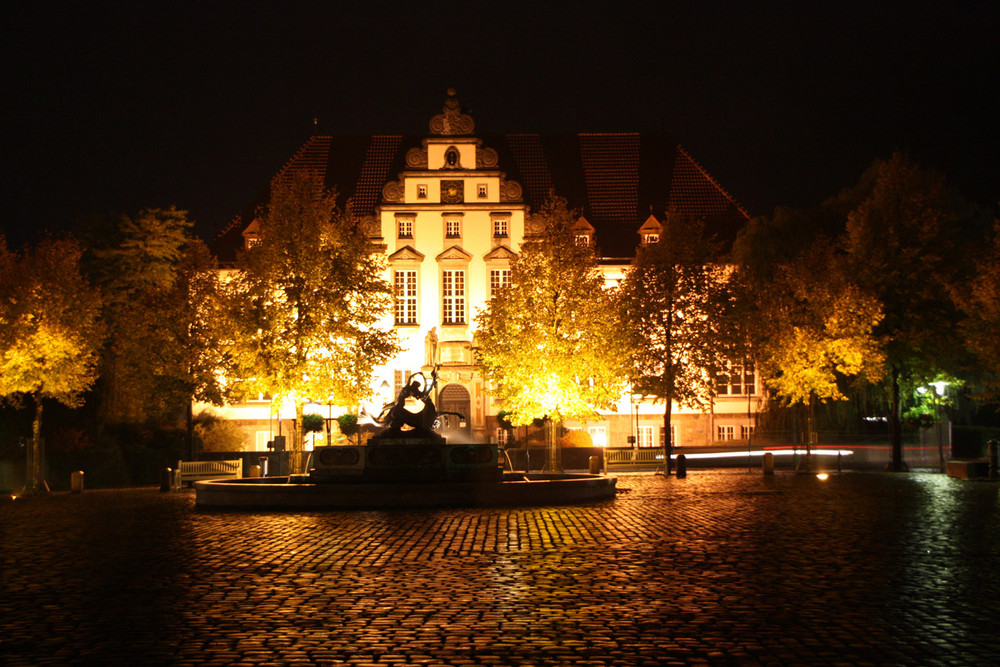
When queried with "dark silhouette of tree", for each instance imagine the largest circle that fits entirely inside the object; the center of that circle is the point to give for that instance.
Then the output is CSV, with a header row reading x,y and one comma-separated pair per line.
x,y
674,304
901,243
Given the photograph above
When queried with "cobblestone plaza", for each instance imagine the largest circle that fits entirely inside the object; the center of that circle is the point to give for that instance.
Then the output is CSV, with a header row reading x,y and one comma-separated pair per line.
x,y
717,568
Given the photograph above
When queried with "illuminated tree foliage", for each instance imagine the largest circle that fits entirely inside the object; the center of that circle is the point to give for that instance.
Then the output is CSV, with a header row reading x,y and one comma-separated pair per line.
x,y
820,330
548,343
49,332
674,303
901,247
305,304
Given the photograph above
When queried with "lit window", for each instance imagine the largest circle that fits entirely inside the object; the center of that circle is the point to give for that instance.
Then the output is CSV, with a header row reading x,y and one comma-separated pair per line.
x,y
738,381
453,228
421,191
727,433
406,297
482,190
645,434
649,239
583,239
673,436
405,228
500,227
499,278
453,297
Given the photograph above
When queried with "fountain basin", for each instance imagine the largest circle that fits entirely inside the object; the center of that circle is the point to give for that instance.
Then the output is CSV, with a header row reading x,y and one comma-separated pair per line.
x,y
510,489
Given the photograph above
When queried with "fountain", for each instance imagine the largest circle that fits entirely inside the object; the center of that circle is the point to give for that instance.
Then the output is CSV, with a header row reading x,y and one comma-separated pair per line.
x,y
408,463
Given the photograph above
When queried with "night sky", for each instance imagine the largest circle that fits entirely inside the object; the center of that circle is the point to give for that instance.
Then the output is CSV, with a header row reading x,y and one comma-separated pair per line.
x,y
114,106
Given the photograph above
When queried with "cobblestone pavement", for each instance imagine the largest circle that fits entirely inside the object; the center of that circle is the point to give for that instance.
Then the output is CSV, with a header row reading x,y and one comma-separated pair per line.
x,y
718,568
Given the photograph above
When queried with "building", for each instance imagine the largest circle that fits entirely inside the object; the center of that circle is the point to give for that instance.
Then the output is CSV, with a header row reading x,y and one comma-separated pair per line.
x,y
450,210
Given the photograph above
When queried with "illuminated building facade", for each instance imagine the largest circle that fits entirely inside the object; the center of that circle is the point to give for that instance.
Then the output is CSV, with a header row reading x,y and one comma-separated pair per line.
x,y
449,209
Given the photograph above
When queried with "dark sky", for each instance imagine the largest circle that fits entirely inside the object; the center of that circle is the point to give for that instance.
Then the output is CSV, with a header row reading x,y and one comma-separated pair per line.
x,y
120,106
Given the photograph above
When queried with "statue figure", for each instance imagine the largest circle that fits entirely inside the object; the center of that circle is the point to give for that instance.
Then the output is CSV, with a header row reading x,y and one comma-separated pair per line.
x,y
422,423
431,348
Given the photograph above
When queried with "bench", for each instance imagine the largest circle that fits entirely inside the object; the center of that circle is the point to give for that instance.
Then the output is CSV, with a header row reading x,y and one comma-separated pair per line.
x,y
194,471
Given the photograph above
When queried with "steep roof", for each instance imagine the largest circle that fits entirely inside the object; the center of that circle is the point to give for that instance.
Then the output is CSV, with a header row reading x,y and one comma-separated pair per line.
x,y
616,180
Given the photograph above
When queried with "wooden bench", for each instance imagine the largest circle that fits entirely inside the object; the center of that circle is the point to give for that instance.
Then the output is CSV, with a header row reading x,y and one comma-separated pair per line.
x,y
194,471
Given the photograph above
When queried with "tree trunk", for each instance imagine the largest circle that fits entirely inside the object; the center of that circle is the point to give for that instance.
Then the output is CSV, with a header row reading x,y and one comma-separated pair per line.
x,y
190,430
668,446
36,460
896,427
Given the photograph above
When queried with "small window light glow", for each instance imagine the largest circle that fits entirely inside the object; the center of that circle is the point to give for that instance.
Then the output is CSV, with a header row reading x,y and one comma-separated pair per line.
x,y
822,476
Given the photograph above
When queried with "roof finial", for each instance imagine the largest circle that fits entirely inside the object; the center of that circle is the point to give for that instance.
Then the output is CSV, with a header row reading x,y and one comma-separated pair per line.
x,y
452,122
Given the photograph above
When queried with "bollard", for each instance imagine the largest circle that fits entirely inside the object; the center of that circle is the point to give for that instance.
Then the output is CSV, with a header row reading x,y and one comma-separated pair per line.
x,y
595,465
254,471
682,467
993,452
768,463
166,479
76,481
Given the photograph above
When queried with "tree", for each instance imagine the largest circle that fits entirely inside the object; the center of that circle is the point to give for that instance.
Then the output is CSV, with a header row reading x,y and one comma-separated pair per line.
x,y
817,331
135,261
673,304
548,343
900,243
979,300
305,303
170,350
49,333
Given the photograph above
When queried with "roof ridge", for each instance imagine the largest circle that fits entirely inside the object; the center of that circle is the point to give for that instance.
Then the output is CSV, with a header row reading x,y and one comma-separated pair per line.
x,y
714,182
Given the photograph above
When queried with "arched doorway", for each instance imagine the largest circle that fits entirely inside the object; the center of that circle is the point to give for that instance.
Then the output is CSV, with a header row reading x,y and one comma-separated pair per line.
x,y
454,398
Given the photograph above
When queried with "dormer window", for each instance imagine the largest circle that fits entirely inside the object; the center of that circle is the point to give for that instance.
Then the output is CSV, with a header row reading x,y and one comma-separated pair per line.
x,y
422,191
650,239
582,239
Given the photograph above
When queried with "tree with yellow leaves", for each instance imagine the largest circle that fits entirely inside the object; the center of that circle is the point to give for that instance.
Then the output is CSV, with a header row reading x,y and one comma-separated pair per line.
x,y
50,333
549,343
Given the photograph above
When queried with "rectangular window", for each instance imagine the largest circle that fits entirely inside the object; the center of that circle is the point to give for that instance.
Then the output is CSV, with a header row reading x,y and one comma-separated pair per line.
x,y
583,239
421,191
746,431
739,381
482,190
453,228
726,433
405,228
453,297
406,297
500,227
649,239
499,278
645,434
673,436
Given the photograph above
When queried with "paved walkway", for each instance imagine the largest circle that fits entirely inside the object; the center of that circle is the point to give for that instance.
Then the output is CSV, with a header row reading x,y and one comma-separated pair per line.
x,y
718,569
